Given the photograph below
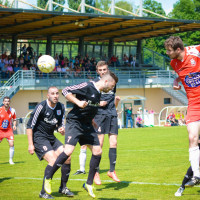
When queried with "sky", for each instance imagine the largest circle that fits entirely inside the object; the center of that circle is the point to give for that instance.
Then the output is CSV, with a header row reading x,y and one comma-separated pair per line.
x,y
166,4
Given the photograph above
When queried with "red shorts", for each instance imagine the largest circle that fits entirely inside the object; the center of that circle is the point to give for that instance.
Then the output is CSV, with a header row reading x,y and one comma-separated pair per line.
x,y
193,113
8,133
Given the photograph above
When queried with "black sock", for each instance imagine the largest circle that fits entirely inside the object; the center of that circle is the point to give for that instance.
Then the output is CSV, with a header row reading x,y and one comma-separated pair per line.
x,y
65,171
187,177
46,171
112,157
58,163
94,163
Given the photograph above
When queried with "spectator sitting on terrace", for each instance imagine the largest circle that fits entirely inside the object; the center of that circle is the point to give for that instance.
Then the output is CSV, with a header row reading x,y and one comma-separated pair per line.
x,y
25,67
16,68
10,70
61,58
113,60
4,70
33,61
10,60
16,62
33,67
4,55
77,70
21,61
105,58
58,68
1,64
125,60
56,60
117,61
6,61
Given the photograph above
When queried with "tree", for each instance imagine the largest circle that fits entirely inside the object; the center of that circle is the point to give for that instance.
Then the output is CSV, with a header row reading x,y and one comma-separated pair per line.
x,y
7,3
42,4
153,6
124,5
184,9
74,4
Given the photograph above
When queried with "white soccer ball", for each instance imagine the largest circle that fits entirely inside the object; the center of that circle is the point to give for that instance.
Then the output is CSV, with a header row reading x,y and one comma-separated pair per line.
x,y
46,63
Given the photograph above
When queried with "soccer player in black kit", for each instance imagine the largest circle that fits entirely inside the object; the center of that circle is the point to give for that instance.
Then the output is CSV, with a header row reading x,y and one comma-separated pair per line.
x,y
47,117
107,123
79,127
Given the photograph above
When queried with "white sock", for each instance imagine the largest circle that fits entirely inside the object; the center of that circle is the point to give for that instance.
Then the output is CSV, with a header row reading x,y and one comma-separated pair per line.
x,y
82,159
11,152
194,160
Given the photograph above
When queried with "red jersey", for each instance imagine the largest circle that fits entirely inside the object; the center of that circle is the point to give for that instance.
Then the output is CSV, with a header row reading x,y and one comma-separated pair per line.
x,y
188,70
6,117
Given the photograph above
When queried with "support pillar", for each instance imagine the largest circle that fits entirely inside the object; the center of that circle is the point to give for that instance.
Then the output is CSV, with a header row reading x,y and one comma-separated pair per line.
x,y
110,48
48,45
81,46
139,52
14,45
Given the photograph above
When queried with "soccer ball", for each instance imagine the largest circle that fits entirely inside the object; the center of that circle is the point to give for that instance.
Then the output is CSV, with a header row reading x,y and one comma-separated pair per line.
x,y
46,63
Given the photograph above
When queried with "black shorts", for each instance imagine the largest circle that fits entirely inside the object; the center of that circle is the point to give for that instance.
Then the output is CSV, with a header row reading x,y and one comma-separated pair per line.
x,y
80,131
43,145
106,124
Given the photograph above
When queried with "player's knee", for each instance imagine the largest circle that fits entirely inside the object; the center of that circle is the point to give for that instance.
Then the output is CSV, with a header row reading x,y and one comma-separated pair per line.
x,y
193,139
68,161
97,152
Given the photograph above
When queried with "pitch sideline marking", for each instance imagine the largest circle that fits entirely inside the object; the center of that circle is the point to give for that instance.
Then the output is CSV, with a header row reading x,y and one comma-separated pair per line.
x,y
105,181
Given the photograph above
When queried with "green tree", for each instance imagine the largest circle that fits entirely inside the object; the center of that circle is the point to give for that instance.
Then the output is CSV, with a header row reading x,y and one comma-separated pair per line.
x,y
42,4
153,6
184,9
124,5
74,4
7,3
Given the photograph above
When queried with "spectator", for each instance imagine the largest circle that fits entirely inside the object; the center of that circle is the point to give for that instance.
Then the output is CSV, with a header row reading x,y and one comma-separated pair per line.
x,y
24,50
5,73
129,117
30,50
33,61
139,121
151,111
10,70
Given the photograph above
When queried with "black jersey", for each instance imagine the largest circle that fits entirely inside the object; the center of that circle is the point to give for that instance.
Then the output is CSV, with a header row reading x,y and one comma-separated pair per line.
x,y
44,119
109,109
85,92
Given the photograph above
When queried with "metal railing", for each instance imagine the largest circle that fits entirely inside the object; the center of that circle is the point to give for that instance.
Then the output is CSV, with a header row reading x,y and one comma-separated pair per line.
x,y
29,80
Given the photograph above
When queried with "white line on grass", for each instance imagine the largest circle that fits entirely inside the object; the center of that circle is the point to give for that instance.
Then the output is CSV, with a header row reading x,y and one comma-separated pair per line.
x,y
105,181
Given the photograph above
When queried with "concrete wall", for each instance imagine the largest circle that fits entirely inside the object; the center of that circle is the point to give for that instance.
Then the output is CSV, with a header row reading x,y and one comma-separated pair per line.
x,y
154,99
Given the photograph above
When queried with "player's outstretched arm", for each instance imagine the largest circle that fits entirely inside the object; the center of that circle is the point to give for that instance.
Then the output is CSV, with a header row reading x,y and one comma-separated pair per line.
x,y
176,86
70,97
31,148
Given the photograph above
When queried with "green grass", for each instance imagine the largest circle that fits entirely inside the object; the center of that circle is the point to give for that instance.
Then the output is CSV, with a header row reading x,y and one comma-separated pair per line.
x,y
150,156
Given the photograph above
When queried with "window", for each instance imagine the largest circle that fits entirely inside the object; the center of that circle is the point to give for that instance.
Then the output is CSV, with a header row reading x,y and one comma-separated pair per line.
x,y
32,105
167,100
137,102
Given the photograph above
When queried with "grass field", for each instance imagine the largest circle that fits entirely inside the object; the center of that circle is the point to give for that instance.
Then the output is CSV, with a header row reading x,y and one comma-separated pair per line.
x,y
151,163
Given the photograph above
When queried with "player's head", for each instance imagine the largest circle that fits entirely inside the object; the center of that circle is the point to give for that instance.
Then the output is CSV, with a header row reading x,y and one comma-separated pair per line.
x,y
6,101
174,46
53,95
109,81
102,68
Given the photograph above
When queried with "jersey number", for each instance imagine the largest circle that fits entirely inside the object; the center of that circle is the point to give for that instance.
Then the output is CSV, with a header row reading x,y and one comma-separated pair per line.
x,y
69,138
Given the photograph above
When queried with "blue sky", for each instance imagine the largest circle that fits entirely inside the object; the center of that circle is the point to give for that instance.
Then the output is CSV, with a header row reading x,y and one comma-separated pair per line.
x,y
166,4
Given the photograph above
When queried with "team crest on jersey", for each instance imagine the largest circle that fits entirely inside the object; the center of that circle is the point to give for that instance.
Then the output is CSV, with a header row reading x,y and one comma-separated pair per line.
x,y
193,62
58,112
193,79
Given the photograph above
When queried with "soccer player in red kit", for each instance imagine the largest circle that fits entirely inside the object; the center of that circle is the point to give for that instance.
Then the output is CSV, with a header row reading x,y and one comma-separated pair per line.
x,y
7,114
186,63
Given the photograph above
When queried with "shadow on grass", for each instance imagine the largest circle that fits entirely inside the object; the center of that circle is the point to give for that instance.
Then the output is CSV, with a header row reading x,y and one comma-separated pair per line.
x,y
6,163
103,171
115,199
5,179
57,194
115,186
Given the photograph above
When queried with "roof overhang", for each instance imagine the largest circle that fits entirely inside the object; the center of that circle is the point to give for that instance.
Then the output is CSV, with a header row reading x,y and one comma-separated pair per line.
x,y
35,24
